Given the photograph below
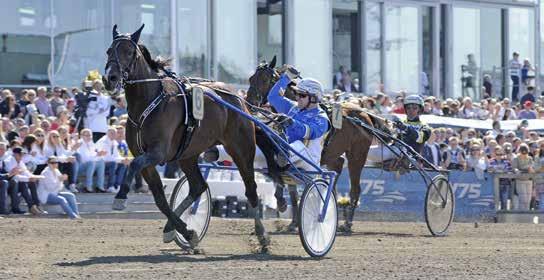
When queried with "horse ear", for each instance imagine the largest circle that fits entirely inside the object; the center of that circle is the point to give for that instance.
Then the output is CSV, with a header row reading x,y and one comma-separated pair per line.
x,y
114,32
272,63
136,35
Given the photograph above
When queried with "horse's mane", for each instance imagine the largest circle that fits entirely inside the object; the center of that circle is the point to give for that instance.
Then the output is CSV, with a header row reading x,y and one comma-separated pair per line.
x,y
156,64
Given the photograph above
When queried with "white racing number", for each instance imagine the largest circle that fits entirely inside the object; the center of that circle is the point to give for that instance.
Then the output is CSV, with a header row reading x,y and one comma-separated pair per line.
x,y
337,116
198,103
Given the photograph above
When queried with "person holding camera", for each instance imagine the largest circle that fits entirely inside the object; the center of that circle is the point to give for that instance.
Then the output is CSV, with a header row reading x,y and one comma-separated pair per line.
x,y
97,111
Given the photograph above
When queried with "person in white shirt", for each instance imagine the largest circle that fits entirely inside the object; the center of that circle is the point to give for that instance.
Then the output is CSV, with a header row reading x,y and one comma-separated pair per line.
x,y
90,161
66,165
25,179
38,157
108,144
514,68
50,186
97,112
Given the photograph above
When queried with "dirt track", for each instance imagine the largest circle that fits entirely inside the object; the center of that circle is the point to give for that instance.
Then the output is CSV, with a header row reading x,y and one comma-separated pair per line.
x,y
132,249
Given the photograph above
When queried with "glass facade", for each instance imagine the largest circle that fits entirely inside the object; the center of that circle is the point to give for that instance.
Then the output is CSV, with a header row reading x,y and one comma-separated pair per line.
x,y
312,21
270,30
234,40
402,38
56,42
373,47
192,35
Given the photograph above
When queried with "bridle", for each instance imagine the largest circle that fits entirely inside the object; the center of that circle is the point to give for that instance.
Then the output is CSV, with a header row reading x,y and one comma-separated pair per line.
x,y
274,78
124,71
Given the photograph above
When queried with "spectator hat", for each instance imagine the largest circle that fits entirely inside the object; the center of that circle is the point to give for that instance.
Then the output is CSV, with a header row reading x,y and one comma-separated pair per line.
x,y
52,159
528,103
18,150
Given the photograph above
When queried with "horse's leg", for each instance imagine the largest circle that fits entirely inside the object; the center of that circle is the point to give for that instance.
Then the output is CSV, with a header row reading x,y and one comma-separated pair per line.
x,y
153,179
356,161
135,167
197,186
244,161
265,145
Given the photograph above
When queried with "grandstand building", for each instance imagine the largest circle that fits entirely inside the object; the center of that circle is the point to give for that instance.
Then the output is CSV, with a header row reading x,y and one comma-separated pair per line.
x,y
425,46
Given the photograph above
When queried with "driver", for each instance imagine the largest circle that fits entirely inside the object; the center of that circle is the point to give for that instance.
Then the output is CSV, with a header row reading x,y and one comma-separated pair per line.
x,y
411,131
303,121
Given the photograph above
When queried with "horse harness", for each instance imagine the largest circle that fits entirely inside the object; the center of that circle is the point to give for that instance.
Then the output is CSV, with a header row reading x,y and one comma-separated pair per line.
x,y
185,90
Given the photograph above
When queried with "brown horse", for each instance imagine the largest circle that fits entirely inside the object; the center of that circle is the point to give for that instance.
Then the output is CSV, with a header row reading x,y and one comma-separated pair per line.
x,y
158,127
352,140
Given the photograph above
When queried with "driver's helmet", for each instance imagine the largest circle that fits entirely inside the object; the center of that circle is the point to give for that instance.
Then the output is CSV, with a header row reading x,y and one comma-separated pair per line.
x,y
414,99
312,87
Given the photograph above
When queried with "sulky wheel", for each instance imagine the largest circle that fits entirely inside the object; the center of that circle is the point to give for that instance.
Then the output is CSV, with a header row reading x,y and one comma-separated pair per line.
x,y
317,236
197,216
439,205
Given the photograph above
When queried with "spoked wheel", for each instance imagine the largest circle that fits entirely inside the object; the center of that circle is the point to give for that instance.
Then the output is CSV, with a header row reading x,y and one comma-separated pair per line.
x,y
316,236
197,217
439,205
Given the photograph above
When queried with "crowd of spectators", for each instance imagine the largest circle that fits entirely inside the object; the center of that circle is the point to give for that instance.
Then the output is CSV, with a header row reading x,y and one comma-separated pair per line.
x,y
49,152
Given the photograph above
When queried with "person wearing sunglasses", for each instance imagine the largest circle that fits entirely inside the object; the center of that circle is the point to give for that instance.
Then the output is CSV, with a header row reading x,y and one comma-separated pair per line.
x,y
412,131
303,121
499,163
51,186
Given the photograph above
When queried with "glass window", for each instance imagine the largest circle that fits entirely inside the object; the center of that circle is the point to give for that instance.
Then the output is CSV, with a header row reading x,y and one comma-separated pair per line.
x,y
82,34
466,51
373,47
345,45
192,38
130,14
25,42
402,49
521,35
234,42
491,55
270,30
312,25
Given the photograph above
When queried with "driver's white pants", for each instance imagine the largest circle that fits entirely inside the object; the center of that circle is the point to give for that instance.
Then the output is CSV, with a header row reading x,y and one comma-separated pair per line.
x,y
380,153
260,160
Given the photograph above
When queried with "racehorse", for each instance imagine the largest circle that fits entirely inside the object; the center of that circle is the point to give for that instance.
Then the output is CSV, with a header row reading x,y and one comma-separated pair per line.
x,y
352,139
158,130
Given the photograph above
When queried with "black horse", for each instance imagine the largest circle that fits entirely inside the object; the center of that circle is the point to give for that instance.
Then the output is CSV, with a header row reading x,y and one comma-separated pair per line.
x,y
157,130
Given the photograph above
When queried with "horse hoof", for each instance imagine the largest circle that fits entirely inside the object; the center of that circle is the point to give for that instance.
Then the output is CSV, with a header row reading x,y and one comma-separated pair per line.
x,y
168,237
119,204
292,227
282,205
192,238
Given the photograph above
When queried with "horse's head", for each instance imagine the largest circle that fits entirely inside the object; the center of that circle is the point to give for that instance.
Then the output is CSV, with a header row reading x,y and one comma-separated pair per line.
x,y
122,56
261,82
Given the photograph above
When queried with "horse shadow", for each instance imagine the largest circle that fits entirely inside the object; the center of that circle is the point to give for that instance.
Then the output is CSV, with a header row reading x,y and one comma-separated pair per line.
x,y
167,257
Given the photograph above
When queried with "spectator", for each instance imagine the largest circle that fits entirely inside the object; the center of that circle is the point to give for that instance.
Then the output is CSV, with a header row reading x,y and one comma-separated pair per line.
x,y
30,108
50,188
91,162
501,164
398,107
57,100
539,168
524,188
120,106
9,107
25,179
338,76
7,186
346,85
63,118
43,105
67,163
454,157
488,85
37,151
109,145
26,145
431,149
527,73
468,111
529,96
476,161
528,112
514,68
98,110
